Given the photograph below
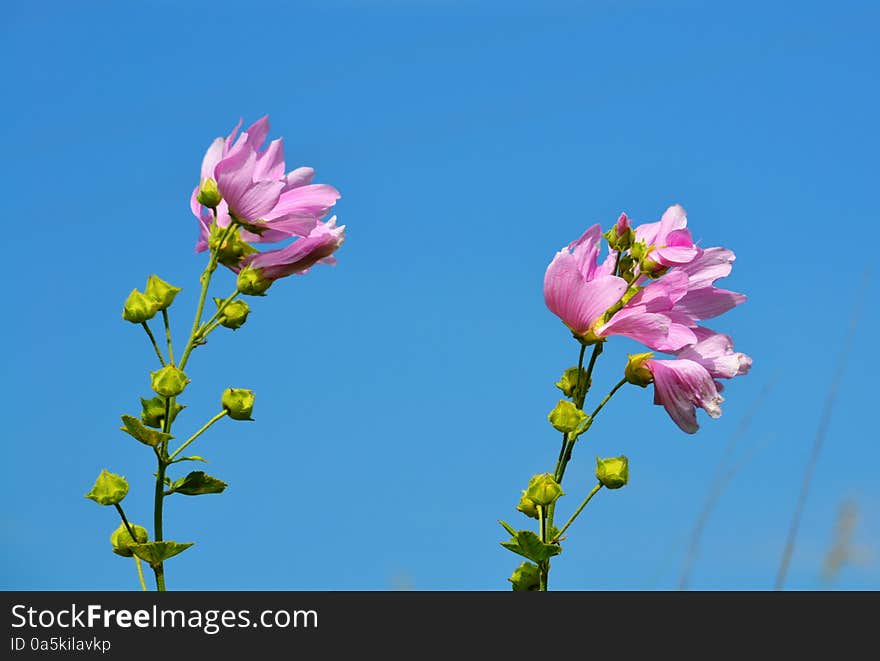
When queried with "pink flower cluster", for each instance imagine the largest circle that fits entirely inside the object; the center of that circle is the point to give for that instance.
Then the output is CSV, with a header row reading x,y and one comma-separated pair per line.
x,y
269,204
654,286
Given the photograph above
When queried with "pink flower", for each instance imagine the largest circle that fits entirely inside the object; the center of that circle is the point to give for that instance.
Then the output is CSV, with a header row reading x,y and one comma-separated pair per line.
x,y
682,386
669,241
258,271
256,191
581,292
689,381
577,289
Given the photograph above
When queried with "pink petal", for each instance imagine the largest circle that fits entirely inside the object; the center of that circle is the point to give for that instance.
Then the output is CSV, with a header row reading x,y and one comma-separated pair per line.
x,y
715,352
682,385
314,200
577,302
270,164
231,137
586,250
212,157
299,177
257,132
674,218
708,302
710,265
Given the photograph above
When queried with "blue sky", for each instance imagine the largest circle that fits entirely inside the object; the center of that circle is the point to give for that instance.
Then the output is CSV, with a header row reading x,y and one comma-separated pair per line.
x,y
402,396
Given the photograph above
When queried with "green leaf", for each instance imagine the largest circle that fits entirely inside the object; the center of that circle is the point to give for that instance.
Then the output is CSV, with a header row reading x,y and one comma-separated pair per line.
x,y
109,489
198,483
509,528
134,427
529,545
155,553
194,457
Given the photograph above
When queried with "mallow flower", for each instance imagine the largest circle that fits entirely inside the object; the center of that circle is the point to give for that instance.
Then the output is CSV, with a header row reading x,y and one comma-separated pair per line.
x,y
689,381
583,293
255,191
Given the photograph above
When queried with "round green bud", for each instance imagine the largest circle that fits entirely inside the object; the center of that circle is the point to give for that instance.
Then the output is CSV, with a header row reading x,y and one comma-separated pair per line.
x,y
527,506
122,542
543,490
234,314
612,472
573,379
109,489
525,578
161,292
209,195
153,411
168,381
566,417
636,372
251,282
138,307
238,403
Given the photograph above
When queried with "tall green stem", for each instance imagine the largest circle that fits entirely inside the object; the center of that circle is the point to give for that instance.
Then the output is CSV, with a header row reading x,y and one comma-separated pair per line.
x,y
205,279
580,509
140,570
196,435
168,335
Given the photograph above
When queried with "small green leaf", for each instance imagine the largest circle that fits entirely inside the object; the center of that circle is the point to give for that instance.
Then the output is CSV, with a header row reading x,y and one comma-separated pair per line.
x,y
155,553
529,545
509,528
198,483
194,457
141,432
109,489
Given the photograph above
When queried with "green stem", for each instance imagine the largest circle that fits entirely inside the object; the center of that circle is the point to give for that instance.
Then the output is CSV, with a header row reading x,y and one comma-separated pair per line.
x,y
561,470
205,279
137,562
157,518
168,335
196,435
125,522
578,510
543,567
153,341
593,415
597,351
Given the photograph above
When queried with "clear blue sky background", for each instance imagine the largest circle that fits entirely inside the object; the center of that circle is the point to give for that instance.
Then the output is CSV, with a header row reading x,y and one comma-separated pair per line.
x,y
402,396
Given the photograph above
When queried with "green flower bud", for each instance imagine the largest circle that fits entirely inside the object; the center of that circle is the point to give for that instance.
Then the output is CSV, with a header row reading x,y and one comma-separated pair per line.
x,y
234,314
122,542
635,372
209,196
251,283
238,403
161,292
153,411
168,381
566,417
527,506
109,489
233,249
138,307
525,578
612,472
544,490
573,378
